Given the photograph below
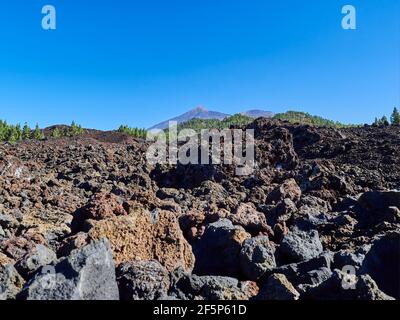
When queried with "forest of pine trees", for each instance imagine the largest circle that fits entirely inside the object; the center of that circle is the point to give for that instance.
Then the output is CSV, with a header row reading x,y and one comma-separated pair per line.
x,y
394,119
134,132
15,133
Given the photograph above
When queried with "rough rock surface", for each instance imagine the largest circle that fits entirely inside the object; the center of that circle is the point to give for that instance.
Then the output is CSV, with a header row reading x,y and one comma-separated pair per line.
x,y
144,235
338,287
142,280
32,261
278,287
10,282
87,274
301,245
257,257
218,251
192,287
382,263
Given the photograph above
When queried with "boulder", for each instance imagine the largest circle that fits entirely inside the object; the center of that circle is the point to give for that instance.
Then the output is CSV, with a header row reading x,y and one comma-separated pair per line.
x,y
344,258
382,263
192,287
142,280
218,250
17,247
10,282
368,290
33,260
144,235
87,274
289,189
378,206
4,260
300,245
257,257
282,213
278,287
311,272
102,206
340,287
250,219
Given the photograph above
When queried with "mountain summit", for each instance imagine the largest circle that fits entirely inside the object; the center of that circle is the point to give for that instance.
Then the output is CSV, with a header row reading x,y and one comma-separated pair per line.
x,y
197,113
202,113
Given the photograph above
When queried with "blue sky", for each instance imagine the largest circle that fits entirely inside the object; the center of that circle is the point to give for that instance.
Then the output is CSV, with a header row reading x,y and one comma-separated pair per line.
x,y
140,62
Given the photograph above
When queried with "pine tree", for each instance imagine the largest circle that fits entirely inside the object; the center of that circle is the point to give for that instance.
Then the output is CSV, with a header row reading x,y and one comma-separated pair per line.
x,y
395,117
26,132
11,135
384,121
56,133
18,132
37,133
75,129
3,130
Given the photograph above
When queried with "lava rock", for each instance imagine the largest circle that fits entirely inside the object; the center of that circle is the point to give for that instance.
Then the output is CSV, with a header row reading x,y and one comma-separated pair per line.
x,y
300,245
340,287
345,258
278,287
378,206
144,235
289,189
250,219
193,287
257,257
218,251
282,213
10,282
382,263
142,280
309,272
32,261
87,274
4,260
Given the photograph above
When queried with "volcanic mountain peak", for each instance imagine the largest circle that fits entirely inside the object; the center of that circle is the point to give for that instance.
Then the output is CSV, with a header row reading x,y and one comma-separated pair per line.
x,y
197,113
201,112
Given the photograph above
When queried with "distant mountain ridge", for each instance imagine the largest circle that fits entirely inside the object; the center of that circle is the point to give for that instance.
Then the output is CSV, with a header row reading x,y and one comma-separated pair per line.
x,y
202,113
258,113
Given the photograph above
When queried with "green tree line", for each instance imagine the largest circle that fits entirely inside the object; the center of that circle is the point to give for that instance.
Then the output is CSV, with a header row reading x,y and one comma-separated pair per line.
x,y
200,124
16,133
306,118
133,131
394,119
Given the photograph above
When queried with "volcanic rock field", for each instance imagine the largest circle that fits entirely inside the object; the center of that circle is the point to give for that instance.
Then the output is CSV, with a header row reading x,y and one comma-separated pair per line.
x,y
89,218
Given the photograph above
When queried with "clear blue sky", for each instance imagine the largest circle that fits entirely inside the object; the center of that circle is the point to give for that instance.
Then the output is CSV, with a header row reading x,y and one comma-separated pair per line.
x,y
139,62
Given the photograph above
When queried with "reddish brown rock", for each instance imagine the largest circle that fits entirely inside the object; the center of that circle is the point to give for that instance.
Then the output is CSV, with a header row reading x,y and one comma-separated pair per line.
x,y
103,206
145,236
17,247
289,189
250,219
4,260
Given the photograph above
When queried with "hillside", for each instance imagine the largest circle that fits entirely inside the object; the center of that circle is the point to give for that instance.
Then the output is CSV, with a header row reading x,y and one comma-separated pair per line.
x,y
306,118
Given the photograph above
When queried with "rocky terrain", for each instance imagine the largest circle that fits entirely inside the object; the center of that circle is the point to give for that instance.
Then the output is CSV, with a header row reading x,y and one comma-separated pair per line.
x,y
88,218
